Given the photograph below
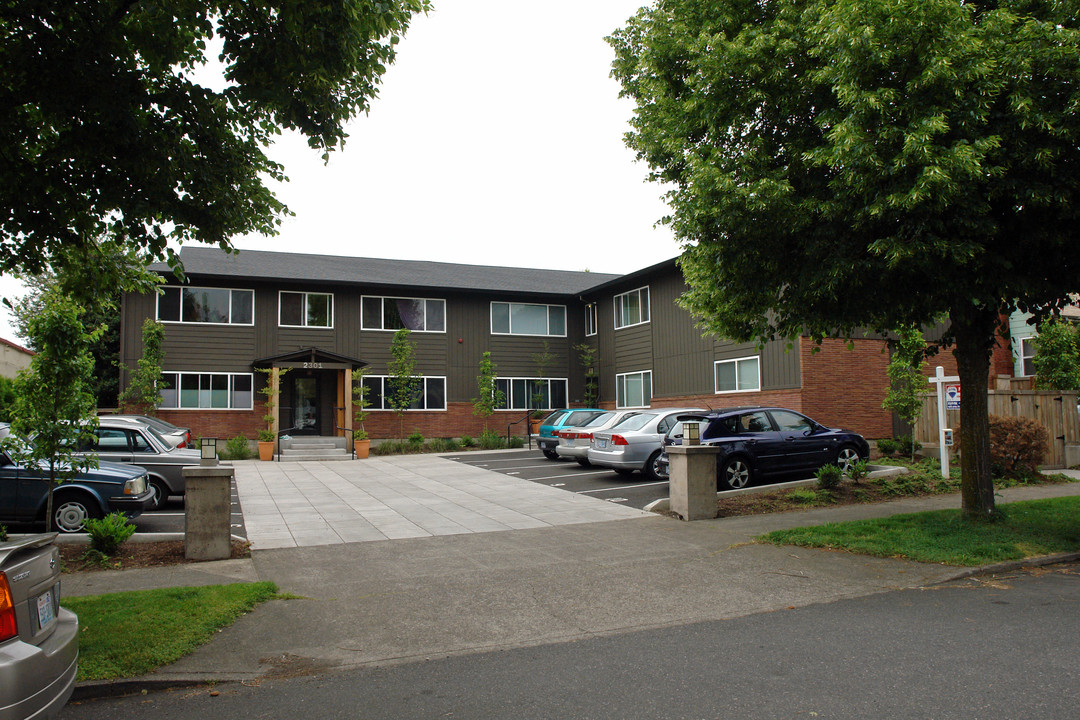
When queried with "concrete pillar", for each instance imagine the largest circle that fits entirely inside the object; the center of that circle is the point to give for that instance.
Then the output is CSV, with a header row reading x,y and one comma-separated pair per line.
x,y
208,513
692,481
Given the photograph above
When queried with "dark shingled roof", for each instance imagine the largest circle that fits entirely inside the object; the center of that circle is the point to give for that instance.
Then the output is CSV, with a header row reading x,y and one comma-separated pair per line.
x,y
211,262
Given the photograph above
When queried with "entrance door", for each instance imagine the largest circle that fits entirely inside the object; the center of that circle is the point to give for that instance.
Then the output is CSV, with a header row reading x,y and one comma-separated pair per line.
x,y
306,406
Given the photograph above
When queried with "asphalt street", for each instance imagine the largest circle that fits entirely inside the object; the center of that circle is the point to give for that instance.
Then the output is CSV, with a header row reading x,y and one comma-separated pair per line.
x,y
1003,646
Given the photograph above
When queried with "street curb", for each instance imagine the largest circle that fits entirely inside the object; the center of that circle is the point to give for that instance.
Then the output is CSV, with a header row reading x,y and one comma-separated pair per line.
x,y
101,689
1011,566
664,504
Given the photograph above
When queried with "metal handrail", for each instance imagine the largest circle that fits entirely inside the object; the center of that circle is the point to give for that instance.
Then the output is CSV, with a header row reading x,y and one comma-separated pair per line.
x,y
528,434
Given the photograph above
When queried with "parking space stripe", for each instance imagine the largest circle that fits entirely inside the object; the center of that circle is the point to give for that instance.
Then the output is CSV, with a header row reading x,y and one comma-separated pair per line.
x,y
621,487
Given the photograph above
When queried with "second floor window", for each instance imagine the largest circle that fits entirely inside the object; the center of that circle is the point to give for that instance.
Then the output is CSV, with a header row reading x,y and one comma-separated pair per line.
x,y
418,314
301,309
738,375
217,306
509,318
590,319
632,308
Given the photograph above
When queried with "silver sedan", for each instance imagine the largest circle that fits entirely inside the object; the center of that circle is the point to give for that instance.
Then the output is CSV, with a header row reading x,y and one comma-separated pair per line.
x,y
634,444
574,442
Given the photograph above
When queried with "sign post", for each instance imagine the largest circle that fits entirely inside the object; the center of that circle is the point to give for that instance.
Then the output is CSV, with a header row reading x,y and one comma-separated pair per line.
x,y
952,397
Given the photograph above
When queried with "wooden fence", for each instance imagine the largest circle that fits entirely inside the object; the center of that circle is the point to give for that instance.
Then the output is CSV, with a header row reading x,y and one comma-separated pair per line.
x,y
1056,411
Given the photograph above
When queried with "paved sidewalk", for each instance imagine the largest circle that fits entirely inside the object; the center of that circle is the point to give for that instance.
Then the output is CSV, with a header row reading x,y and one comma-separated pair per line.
x,y
411,599
300,504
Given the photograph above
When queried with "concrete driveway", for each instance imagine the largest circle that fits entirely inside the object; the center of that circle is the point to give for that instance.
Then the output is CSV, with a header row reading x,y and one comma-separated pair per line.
x,y
297,504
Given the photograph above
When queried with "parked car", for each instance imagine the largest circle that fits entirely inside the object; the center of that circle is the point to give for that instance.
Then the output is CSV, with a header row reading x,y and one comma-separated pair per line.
x,y
674,436
123,440
558,419
574,442
634,444
178,437
759,442
39,640
24,492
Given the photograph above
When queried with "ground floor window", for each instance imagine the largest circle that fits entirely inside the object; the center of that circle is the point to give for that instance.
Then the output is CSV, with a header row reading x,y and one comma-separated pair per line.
x,y
205,391
532,393
740,375
1025,364
633,390
430,393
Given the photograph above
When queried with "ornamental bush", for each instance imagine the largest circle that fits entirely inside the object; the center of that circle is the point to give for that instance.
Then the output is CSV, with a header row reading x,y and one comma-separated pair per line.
x,y
1017,445
828,476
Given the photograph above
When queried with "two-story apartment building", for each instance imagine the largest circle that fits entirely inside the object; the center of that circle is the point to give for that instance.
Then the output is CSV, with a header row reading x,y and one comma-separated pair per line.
x,y
323,317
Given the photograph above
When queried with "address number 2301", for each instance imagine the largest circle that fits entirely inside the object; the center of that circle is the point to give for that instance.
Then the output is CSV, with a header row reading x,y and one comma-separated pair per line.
x,y
313,366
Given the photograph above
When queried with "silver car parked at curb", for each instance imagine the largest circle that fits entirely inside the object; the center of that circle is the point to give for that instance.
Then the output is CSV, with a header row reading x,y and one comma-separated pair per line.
x,y
39,640
634,444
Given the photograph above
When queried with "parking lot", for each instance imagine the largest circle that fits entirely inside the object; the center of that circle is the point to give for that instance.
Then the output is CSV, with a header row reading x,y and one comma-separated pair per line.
x,y
634,491
170,519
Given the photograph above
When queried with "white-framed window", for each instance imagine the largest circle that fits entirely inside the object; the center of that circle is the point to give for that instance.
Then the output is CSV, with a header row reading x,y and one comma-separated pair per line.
x,y
739,375
305,309
393,313
206,391
1025,364
206,305
430,395
511,318
590,319
531,393
632,308
633,390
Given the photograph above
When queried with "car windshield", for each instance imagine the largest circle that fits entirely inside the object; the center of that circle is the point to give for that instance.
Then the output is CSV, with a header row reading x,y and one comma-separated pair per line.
x,y
635,422
599,419
553,418
157,424
157,436
580,417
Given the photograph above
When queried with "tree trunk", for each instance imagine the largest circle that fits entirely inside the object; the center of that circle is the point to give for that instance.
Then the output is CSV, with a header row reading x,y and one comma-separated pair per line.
x,y
974,330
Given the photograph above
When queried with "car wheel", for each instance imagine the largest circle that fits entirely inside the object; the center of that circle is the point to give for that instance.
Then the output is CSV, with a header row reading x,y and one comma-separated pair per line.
x,y
624,471
735,474
70,513
846,458
551,454
584,462
161,495
652,468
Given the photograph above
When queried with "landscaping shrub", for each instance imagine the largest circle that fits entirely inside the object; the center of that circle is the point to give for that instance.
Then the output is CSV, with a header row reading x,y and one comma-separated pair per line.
x,y
441,445
1017,445
3,534
516,442
416,439
389,447
488,440
236,449
906,445
467,441
803,496
888,446
828,476
858,471
109,533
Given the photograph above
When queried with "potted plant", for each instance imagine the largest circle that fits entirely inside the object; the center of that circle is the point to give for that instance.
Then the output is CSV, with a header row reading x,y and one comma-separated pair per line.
x,y
361,443
267,436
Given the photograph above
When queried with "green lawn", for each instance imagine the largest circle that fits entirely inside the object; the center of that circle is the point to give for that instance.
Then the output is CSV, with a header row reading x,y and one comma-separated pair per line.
x,y
129,634
1025,529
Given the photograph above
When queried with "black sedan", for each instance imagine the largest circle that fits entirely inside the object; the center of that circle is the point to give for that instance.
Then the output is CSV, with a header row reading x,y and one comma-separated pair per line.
x,y
761,442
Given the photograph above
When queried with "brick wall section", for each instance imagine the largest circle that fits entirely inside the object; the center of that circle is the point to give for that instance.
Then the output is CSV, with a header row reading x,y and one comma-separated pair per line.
x,y
845,388
216,423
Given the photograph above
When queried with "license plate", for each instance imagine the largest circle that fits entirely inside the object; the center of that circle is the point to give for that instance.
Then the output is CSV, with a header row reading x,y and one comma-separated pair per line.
x,y
45,609
601,444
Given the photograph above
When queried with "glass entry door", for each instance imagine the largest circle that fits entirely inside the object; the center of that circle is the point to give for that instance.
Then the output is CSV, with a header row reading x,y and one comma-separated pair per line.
x,y
306,406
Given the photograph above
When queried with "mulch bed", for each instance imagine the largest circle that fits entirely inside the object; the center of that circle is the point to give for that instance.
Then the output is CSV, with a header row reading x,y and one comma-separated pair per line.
x,y
136,555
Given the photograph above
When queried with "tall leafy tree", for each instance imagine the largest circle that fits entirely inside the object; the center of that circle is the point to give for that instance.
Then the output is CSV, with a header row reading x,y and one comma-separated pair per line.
x,y
106,130
53,400
906,380
833,165
403,392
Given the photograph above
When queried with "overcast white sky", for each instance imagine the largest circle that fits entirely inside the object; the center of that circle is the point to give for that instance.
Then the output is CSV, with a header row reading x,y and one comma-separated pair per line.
x,y
496,140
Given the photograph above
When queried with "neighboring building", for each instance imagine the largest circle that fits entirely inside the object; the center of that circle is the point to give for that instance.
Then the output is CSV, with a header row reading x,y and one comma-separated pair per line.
x,y
1022,334
13,358
323,317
